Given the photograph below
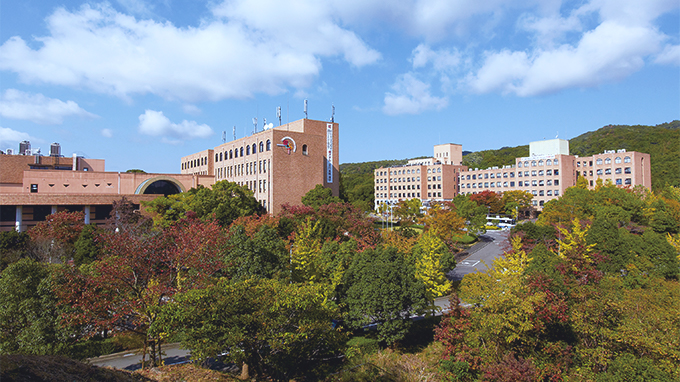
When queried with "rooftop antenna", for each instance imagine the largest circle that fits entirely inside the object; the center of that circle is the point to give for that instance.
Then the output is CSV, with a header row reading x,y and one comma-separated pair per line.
x,y
333,113
305,109
234,132
264,123
558,135
255,125
278,114
224,136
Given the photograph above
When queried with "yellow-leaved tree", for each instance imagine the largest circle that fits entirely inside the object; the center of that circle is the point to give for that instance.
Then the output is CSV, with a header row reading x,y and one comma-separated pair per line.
x,y
306,253
428,255
503,303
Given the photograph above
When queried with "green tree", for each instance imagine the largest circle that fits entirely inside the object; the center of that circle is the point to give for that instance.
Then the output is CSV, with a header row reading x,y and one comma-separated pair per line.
x,y
319,196
273,328
474,214
263,255
225,201
380,287
13,246
86,247
29,314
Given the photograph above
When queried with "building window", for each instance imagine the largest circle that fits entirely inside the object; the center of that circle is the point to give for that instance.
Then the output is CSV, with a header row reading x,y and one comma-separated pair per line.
x,y
534,183
618,182
548,182
526,163
519,164
520,184
556,172
599,161
304,150
533,163
617,171
556,183
608,161
241,151
628,181
34,188
540,173
617,160
261,146
512,174
608,171
626,170
555,162
557,192
540,183
526,173
548,162
540,193
248,150
505,184
512,184
626,160
216,157
548,172
533,173
549,193
540,162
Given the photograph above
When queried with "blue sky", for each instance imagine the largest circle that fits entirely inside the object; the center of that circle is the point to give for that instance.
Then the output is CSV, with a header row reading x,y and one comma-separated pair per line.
x,y
142,83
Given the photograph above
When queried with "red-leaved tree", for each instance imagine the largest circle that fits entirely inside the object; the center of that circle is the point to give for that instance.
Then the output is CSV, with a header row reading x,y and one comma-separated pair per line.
x,y
138,274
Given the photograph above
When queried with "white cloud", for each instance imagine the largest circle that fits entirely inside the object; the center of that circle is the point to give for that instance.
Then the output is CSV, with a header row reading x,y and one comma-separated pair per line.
x,y
191,109
411,96
610,52
107,133
37,108
617,46
9,137
156,124
441,60
236,54
669,56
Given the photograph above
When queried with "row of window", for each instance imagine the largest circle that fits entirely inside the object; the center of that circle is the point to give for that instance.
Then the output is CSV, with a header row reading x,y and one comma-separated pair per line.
x,y
249,168
231,154
539,163
548,172
527,183
256,186
195,163
606,171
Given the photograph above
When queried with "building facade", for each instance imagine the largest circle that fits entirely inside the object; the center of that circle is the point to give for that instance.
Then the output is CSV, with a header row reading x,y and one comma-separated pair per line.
x,y
546,173
430,179
549,170
34,186
279,165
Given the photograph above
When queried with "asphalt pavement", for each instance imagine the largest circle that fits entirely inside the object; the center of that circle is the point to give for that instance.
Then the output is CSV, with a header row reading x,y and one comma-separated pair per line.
x,y
132,360
492,244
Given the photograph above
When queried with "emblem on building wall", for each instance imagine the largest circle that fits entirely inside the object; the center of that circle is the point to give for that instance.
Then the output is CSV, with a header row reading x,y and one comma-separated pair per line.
x,y
288,143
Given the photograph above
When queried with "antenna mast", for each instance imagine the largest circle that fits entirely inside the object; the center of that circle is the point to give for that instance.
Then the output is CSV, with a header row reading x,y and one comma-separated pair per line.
x,y
305,109
234,132
224,136
255,125
333,113
278,114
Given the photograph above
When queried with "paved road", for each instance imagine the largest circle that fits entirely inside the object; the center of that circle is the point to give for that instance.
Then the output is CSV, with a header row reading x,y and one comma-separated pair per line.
x,y
492,244
132,360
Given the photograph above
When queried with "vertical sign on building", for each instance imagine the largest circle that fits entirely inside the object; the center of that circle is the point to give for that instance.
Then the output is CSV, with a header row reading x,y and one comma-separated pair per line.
x,y
329,151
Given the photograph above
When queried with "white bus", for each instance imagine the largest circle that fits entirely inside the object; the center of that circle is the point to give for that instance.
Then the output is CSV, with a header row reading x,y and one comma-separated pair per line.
x,y
500,221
